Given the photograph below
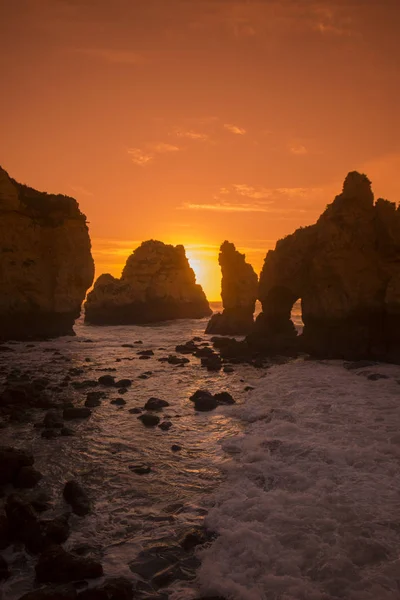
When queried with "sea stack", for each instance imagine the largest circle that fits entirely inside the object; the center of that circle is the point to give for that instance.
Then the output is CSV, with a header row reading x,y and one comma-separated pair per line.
x,y
157,284
346,271
238,291
46,265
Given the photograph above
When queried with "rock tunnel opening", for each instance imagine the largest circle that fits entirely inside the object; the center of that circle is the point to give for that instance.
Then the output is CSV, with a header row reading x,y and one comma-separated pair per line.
x,y
296,316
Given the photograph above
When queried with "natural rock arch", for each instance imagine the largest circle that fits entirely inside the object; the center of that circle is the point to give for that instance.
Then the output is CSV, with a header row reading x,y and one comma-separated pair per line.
x,y
346,270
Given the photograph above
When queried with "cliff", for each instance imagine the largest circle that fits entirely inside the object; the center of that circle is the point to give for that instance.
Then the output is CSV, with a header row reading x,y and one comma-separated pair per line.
x,y
239,293
346,271
45,262
157,284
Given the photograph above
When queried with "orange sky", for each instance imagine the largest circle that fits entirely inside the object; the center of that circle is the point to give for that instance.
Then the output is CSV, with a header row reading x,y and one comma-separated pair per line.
x,y
195,121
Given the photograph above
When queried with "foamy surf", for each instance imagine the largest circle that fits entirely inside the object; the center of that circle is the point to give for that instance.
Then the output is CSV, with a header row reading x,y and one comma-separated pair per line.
x,y
310,506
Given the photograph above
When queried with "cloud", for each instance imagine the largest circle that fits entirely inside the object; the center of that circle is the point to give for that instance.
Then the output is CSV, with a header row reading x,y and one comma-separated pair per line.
x,y
250,192
113,56
162,148
234,129
225,207
298,149
143,157
192,135
139,157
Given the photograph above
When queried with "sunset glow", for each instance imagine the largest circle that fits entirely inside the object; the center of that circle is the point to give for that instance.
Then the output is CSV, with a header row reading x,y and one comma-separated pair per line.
x,y
199,121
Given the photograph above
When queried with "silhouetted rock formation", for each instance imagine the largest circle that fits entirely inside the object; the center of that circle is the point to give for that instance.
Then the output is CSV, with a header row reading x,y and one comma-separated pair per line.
x,y
45,262
157,284
239,294
346,270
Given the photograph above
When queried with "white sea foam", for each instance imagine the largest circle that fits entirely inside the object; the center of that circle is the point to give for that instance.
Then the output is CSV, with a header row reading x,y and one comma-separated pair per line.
x,y
310,507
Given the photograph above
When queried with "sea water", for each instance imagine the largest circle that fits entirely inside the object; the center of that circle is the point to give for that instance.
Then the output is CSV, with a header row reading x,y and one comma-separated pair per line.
x,y
300,479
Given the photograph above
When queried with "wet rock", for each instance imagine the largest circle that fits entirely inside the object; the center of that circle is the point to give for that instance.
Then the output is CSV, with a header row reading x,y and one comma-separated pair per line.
x,y
75,371
187,348
27,477
11,462
52,593
22,395
155,404
87,383
123,383
107,380
203,401
376,376
76,496
95,396
53,419
118,401
56,565
140,469
50,434
23,523
4,572
204,352
176,360
212,363
113,589
76,412
149,420
56,531
67,432
224,398
194,538
92,402
5,532
165,425
40,501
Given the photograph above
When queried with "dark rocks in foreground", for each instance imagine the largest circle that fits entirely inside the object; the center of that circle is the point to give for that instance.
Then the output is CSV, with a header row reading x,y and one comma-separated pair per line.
x,y
205,401
75,495
56,565
52,593
45,262
157,284
239,294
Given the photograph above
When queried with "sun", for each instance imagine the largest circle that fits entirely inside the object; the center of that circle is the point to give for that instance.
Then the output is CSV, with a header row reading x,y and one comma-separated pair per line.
x,y
207,273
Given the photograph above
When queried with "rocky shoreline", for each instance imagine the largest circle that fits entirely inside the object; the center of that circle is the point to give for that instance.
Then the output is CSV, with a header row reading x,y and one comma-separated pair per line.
x,y
42,403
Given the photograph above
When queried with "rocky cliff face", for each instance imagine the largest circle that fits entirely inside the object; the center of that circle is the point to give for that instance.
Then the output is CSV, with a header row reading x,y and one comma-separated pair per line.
x,y
45,262
239,294
346,271
157,284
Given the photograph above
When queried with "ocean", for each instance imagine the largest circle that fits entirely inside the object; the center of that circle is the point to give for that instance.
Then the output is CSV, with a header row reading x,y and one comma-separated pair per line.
x,y
299,480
